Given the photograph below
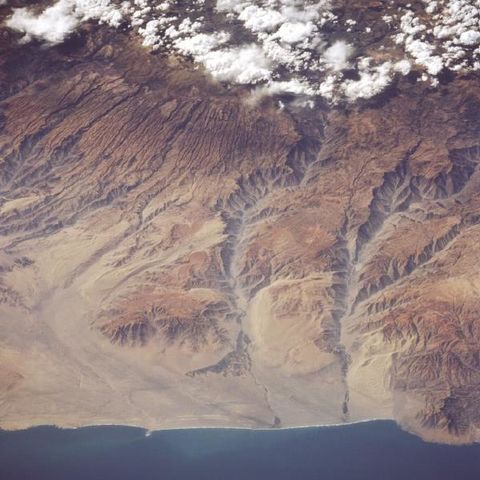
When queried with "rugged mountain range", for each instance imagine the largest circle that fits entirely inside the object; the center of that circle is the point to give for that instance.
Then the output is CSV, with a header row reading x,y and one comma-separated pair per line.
x,y
172,254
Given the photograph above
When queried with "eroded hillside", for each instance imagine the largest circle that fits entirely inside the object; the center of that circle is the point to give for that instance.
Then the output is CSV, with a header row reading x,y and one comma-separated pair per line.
x,y
174,255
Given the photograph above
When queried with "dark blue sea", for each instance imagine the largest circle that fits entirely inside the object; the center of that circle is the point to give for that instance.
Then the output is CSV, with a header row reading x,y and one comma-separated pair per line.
x,y
364,451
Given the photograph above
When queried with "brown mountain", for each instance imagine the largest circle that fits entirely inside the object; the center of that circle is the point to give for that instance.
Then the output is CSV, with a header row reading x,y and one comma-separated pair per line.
x,y
171,255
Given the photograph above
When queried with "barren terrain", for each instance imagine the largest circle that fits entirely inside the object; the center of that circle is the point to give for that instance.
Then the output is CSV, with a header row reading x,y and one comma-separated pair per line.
x,y
173,256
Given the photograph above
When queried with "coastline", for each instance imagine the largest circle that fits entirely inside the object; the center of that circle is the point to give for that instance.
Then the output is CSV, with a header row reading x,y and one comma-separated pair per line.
x,y
425,436
204,427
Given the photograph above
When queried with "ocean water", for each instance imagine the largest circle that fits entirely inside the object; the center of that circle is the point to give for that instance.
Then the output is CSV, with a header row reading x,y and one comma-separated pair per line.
x,y
364,451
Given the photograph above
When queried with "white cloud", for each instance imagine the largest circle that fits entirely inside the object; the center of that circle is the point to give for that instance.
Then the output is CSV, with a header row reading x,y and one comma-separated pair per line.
x,y
231,5
61,19
444,38
259,19
294,32
52,25
244,65
470,37
423,53
338,55
372,82
286,30
373,79
403,66
293,86
201,44
286,50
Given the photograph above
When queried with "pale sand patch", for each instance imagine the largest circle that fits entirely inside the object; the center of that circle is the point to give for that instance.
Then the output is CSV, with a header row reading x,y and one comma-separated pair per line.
x,y
17,204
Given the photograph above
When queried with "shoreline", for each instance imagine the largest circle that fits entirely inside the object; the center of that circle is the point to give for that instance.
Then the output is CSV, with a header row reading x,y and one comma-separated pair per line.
x,y
274,429
149,431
